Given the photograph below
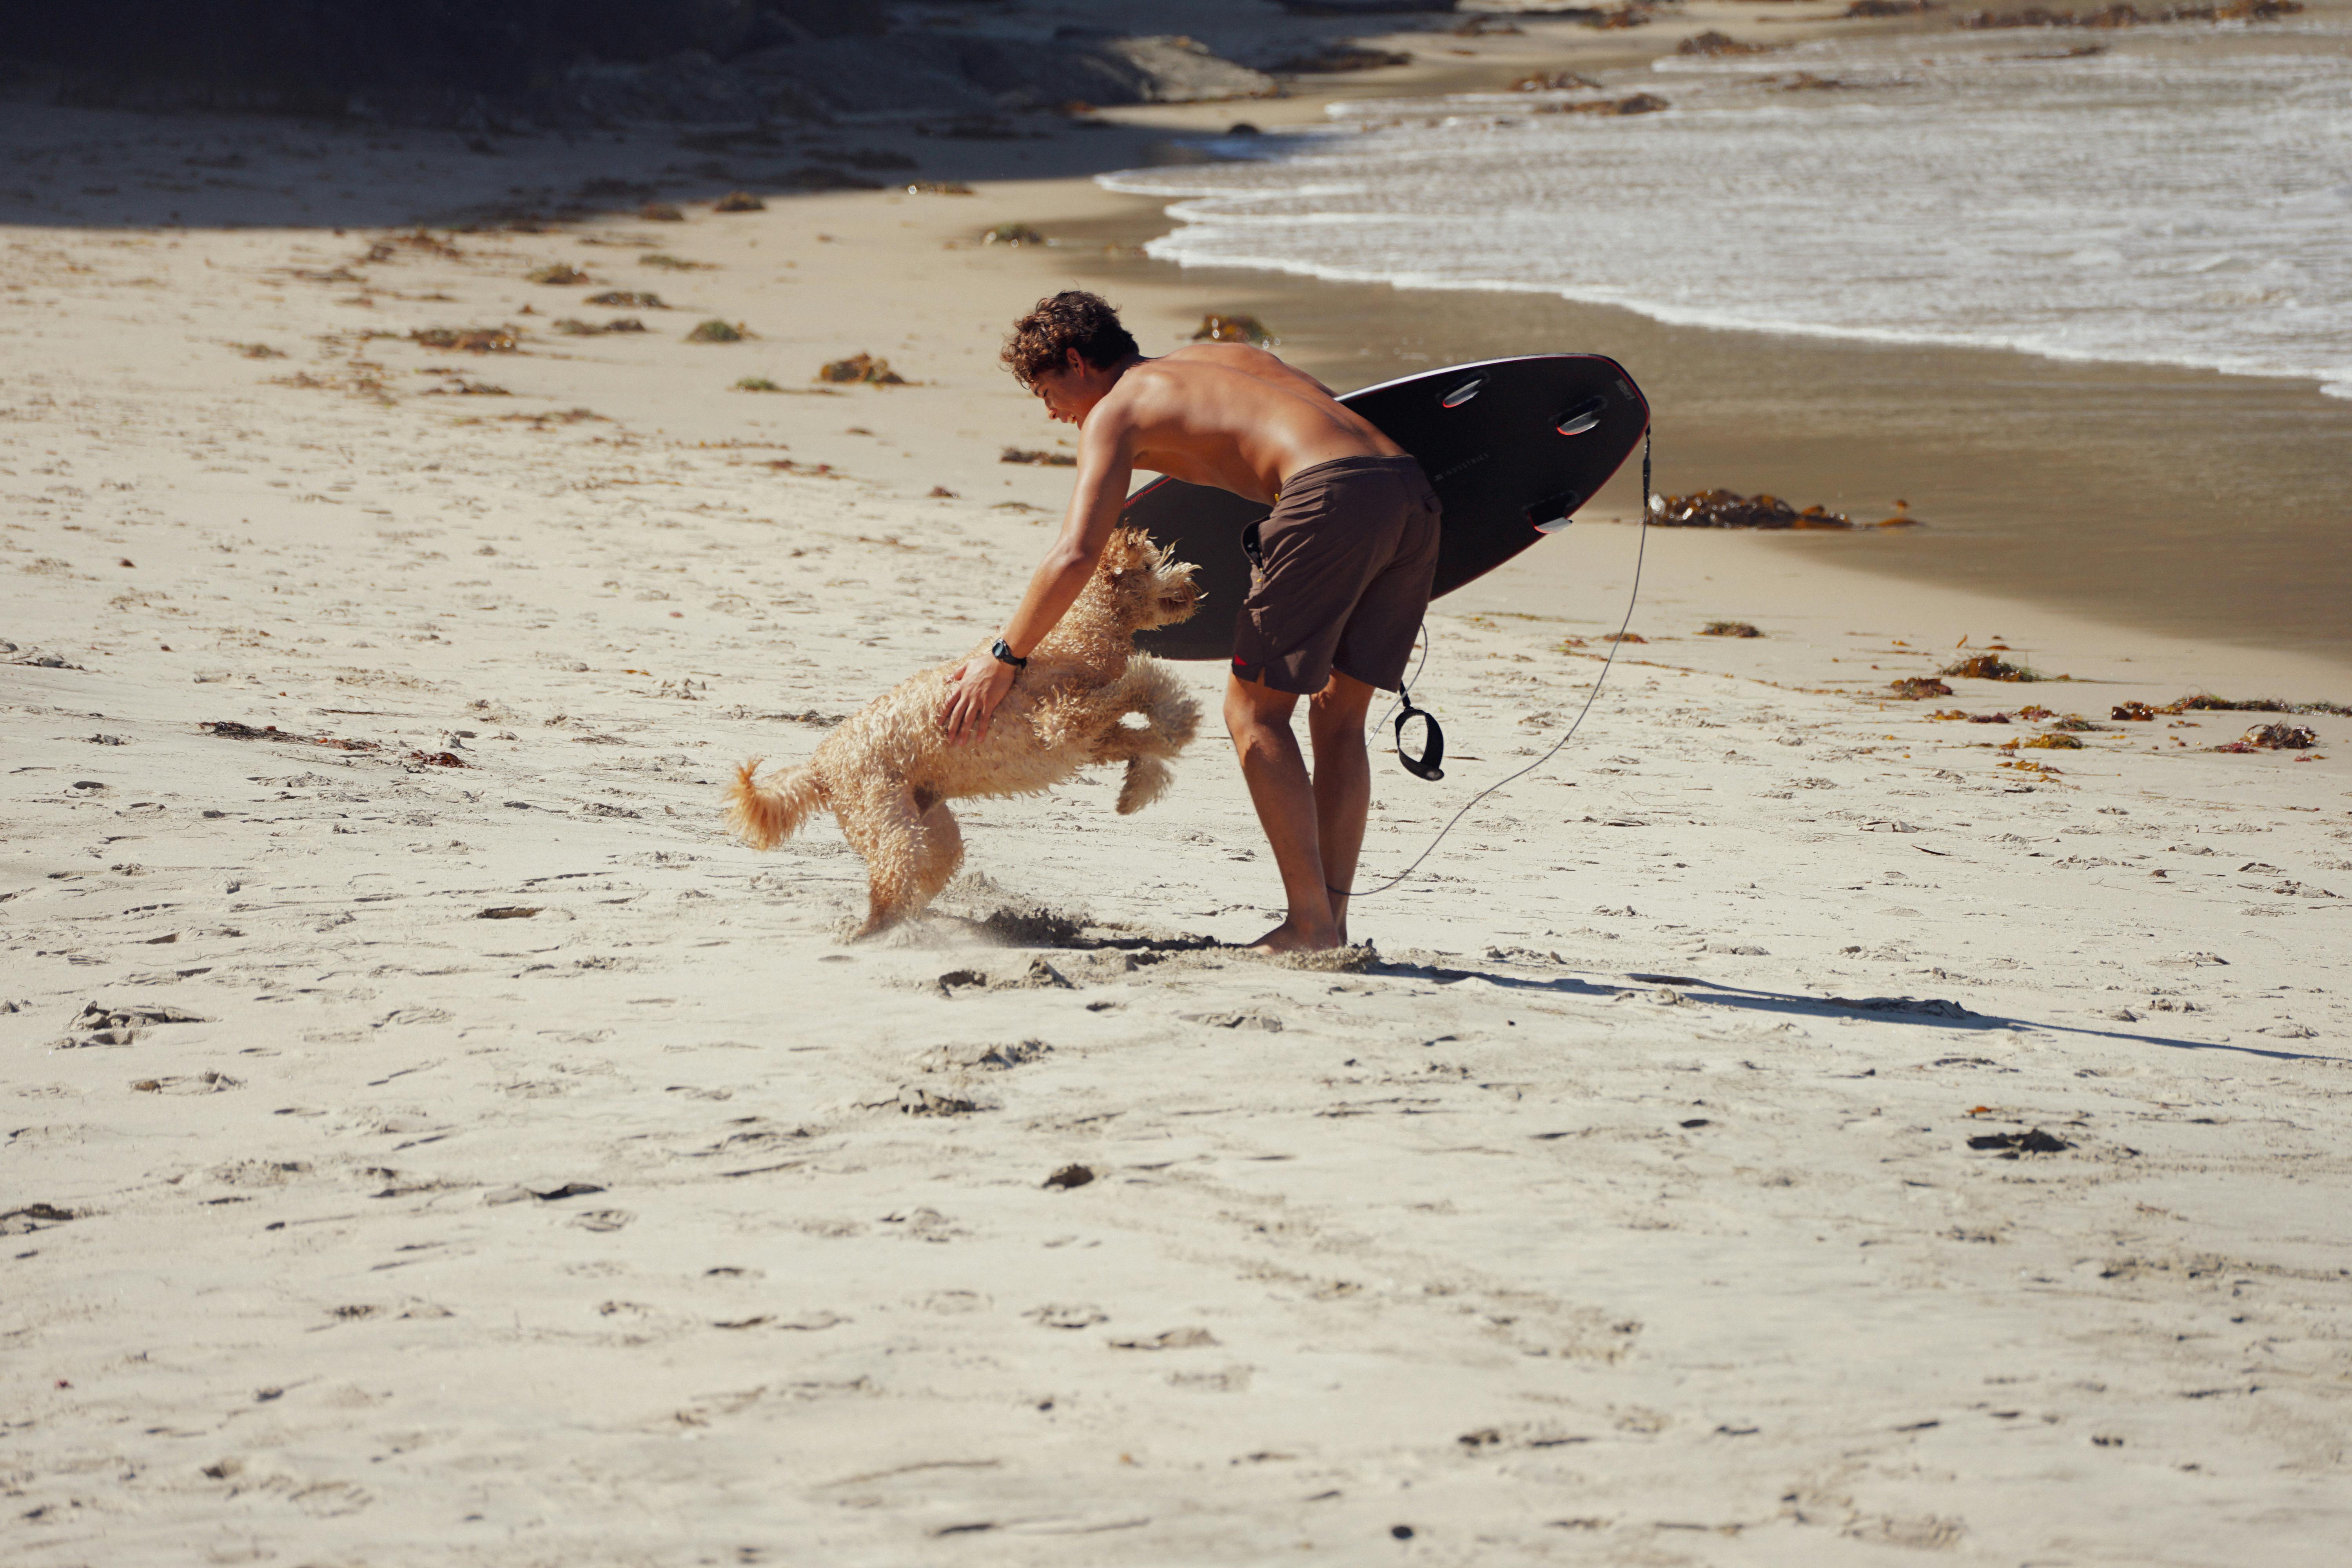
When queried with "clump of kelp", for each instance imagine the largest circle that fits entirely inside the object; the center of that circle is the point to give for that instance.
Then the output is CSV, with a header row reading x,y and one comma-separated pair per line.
x,y
1640,103
2206,702
1730,508
473,339
860,368
1552,81
1216,328
1992,666
1712,43
416,239
2273,738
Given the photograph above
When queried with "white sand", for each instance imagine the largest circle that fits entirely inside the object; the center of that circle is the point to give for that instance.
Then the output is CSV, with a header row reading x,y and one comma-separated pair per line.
x,y
1623,1210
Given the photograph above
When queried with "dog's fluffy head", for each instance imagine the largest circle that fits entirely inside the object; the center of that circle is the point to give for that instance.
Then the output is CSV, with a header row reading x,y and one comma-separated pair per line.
x,y
1147,588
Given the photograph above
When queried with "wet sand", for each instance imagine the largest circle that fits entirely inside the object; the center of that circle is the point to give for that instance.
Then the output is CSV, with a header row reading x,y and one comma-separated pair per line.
x,y
2185,503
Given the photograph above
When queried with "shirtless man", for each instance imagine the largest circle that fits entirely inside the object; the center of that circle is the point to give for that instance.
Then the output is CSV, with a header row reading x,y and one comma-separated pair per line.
x,y
1343,574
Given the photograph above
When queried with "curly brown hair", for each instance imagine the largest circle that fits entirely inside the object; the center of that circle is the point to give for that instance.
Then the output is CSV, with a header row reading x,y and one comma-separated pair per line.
x,y
1072,318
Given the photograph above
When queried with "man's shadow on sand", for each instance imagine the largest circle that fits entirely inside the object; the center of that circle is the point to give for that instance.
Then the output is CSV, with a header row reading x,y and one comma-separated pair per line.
x,y
1932,1011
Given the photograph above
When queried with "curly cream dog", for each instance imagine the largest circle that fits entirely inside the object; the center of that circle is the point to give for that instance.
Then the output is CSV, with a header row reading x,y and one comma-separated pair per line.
x,y
887,772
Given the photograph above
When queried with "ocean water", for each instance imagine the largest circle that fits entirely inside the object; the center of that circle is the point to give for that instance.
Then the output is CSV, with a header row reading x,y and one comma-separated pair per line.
x,y
2183,195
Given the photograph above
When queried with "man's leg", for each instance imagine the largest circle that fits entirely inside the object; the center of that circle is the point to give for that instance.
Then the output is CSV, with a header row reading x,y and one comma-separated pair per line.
x,y
1259,718
1343,784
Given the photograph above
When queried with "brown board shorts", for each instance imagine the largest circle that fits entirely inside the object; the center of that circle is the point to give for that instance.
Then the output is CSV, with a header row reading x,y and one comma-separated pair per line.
x,y
1343,567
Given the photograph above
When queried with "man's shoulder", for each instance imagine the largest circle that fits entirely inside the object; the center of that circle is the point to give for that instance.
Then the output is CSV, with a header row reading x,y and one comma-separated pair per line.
x,y
1157,381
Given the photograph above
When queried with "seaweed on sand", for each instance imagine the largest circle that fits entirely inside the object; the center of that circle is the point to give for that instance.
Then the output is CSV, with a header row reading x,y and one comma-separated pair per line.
x,y
1032,456
1640,103
1990,666
1730,508
860,367
2273,738
231,730
1911,688
627,299
1729,630
739,202
562,273
718,332
2205,701
1216,328
1713,43
473,339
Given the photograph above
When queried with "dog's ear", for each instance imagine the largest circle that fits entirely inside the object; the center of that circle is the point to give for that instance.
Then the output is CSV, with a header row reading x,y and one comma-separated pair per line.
x,y
1137,548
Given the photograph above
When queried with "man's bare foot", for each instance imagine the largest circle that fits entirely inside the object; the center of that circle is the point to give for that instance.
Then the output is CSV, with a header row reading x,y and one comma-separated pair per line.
x,y
1288,937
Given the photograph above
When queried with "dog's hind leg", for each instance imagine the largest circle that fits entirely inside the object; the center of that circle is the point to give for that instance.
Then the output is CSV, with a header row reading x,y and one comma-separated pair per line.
x,y
1171,718
1162,700
1148,778
882,825
938,847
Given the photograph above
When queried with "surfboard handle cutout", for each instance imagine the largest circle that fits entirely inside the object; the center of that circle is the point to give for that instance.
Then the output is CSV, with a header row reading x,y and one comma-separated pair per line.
x,y
1582,418
1464,393
1550,514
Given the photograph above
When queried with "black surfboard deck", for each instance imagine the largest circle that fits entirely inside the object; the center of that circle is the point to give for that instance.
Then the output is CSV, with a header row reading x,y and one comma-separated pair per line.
x,y
1513,446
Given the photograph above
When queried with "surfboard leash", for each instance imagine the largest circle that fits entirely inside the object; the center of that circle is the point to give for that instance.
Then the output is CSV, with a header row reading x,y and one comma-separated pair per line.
x,y
1429,761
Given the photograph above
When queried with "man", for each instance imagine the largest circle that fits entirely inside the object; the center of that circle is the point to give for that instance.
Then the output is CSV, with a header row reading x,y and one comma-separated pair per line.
x,y
1344,567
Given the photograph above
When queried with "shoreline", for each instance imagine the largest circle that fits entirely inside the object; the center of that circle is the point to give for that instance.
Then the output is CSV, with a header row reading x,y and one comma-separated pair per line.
x,y
2089,487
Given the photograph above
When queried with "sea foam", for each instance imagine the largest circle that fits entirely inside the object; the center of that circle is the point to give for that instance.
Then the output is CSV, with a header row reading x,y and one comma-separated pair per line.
x,y
2183,197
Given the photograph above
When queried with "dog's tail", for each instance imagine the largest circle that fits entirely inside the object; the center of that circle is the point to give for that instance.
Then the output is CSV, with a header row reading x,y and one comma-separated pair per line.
x,y
762,814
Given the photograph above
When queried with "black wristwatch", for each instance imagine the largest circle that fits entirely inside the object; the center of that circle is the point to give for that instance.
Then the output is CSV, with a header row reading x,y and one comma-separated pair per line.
x,y
1004,652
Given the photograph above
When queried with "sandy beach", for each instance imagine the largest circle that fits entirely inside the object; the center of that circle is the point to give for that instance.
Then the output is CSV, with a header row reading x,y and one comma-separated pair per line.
x,y
1788,1128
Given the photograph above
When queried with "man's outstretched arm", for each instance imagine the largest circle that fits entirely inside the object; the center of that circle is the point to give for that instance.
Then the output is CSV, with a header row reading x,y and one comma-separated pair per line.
x,y
1105,465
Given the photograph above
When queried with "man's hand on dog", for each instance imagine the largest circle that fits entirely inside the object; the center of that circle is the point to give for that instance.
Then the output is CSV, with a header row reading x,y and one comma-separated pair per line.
x,y
974,693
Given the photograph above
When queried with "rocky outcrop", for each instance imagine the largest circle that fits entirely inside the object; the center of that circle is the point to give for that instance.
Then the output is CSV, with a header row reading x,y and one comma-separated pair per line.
x,y
906,75
594,62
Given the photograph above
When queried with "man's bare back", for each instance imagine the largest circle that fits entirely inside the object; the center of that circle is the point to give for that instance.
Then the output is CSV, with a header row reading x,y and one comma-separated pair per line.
x,y
1238,418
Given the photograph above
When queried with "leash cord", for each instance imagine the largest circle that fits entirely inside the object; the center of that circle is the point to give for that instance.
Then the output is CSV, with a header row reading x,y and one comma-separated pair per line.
x,y
1641,548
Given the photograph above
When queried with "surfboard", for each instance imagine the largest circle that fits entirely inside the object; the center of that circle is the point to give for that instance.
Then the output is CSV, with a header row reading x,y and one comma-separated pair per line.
x,y
1512,446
